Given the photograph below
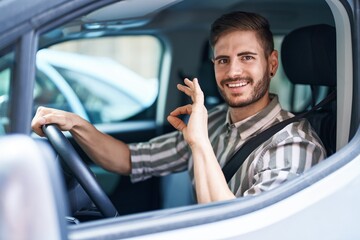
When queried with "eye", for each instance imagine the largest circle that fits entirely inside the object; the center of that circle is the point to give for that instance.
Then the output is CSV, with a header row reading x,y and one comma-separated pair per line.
x,y
222,61
247,58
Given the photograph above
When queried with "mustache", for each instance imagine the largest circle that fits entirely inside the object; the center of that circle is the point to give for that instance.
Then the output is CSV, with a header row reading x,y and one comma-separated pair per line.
x,y
229,80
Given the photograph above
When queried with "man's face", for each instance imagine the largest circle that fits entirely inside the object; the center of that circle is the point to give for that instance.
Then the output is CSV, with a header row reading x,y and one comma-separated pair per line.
x,y
241,69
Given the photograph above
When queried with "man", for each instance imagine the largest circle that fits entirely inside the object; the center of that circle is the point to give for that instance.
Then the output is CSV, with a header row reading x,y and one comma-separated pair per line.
x,y
244,62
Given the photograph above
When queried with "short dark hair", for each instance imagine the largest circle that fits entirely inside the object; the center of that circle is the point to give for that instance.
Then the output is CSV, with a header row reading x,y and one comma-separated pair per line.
x,y
243,21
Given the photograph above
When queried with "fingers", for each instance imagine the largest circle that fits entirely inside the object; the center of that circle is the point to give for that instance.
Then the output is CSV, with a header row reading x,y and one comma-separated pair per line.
x,y
187,109
39,120
176,122
50,116
199,95
186,89
192,89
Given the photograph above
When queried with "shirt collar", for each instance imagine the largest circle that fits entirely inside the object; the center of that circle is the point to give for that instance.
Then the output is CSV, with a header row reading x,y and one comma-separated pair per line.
x,y
249,126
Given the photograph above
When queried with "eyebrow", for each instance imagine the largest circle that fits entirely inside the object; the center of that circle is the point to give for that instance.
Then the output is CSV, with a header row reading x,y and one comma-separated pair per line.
x,y
239,54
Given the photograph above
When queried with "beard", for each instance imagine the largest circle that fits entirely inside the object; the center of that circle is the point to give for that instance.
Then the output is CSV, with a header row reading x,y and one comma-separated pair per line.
x,y
257,92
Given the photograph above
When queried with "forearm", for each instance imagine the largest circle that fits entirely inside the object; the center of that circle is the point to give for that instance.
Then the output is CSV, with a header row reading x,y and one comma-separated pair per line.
x,y
201,183
103,149
210,183
210,176
106,151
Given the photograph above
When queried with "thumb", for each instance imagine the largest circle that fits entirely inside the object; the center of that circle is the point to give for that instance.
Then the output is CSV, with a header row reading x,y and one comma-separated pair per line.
x,y
176,122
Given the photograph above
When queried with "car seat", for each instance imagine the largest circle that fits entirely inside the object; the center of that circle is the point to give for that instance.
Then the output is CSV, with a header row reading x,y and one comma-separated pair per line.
x,y
308,56
207,81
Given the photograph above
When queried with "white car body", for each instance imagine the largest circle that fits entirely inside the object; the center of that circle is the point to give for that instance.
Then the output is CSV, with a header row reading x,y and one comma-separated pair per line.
x,y
322,203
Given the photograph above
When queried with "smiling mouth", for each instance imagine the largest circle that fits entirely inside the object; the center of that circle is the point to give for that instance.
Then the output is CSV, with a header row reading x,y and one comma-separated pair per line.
x,y
237,84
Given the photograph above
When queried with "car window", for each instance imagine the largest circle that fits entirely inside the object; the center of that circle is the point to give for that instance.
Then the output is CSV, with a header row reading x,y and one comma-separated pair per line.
x,y
46,92
125,68
7,64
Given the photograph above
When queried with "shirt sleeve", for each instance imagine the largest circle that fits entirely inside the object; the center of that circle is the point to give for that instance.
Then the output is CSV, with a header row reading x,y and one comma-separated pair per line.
x,y
284,161
160,156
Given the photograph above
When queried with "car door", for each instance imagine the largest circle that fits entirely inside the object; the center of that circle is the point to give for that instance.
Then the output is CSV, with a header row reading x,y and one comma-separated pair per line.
x,y
319,204
18,89
322,203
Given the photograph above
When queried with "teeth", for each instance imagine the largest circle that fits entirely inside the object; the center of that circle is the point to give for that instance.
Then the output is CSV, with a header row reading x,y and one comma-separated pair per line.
x,y
233,85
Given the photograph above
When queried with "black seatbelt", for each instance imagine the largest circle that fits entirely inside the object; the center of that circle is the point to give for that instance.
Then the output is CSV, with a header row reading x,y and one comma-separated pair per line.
x,y
232,166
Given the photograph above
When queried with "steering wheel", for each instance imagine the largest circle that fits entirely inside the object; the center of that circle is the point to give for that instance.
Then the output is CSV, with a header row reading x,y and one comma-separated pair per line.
x,y
80,170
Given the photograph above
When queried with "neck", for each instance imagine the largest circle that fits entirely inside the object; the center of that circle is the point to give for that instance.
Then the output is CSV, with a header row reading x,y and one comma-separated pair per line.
x,y
240,113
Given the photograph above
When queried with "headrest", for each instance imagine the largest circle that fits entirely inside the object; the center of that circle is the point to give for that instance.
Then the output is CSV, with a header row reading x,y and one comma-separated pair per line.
x,y
308,55
206,75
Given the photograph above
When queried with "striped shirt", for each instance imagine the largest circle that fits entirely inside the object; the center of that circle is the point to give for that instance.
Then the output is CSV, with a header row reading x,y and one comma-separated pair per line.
x,y
284,156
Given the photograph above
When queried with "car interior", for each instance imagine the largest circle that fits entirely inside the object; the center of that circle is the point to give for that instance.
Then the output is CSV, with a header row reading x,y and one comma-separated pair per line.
x,y
308,73
163,42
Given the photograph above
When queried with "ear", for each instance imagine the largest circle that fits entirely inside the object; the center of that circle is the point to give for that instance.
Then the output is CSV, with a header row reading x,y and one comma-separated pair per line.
x,y
273,61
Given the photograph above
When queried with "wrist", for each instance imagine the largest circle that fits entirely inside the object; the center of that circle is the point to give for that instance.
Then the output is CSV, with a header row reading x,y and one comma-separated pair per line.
x,y
77,123
200,145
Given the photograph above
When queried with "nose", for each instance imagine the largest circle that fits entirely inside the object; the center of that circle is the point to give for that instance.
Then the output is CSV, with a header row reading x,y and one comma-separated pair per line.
x,y
235,69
